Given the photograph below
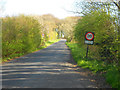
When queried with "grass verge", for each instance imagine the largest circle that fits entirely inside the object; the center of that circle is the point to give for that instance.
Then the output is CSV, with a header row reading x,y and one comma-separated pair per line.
x,y
17,55
48,43
109,71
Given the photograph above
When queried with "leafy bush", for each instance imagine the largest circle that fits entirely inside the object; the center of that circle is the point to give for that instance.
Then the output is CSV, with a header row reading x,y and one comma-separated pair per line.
x,y
106,37
79,54
112,74
21,34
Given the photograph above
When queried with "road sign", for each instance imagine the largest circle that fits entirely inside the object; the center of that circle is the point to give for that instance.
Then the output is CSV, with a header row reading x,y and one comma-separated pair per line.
x,y
89,38
43,35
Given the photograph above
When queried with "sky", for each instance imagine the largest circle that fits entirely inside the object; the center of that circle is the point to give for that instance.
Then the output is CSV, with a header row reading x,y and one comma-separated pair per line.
x,y
39,7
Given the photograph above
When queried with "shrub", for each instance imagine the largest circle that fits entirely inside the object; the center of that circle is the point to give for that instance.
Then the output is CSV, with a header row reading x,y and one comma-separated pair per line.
x,y
106,37
21,34
112,74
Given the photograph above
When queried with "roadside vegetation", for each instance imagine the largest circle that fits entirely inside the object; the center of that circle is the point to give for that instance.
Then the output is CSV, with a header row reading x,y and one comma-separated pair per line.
x,y
103,55
48,43
109,71
25,34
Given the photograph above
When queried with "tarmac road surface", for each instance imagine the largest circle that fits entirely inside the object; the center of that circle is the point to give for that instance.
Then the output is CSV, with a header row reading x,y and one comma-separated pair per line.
x,y
51,67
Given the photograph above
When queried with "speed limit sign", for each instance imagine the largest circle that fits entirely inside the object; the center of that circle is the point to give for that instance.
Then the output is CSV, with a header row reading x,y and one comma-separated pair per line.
x,y
89,38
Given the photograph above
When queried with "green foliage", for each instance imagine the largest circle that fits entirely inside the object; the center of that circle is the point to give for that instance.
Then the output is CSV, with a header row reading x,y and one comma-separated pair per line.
x,y
48,25
112,74
79,54
106,37
67,27
105,46
20,35
23,34
93,65
47,43
100,18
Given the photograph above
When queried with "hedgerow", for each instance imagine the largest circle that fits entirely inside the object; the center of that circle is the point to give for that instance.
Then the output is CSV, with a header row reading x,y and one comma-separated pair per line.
x,y
20,35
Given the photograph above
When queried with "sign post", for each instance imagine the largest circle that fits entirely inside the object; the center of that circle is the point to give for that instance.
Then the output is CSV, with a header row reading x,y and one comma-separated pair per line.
x,y
89,40
87,52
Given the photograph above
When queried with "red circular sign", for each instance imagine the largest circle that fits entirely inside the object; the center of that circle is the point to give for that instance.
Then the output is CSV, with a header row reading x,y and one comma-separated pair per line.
x,y
43,34
89,36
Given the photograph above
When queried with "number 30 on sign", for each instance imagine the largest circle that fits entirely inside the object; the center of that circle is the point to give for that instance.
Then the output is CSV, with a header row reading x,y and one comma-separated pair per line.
x,y
89,38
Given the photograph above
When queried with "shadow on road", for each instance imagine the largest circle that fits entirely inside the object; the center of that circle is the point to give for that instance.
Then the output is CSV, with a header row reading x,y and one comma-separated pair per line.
x,y
48,68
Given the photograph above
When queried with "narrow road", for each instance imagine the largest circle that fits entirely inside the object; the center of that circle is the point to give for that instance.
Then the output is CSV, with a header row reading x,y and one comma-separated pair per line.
x,y
51,67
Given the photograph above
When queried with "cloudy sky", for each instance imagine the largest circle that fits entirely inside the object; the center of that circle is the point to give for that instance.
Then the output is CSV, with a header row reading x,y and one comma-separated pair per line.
x,y
39,7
